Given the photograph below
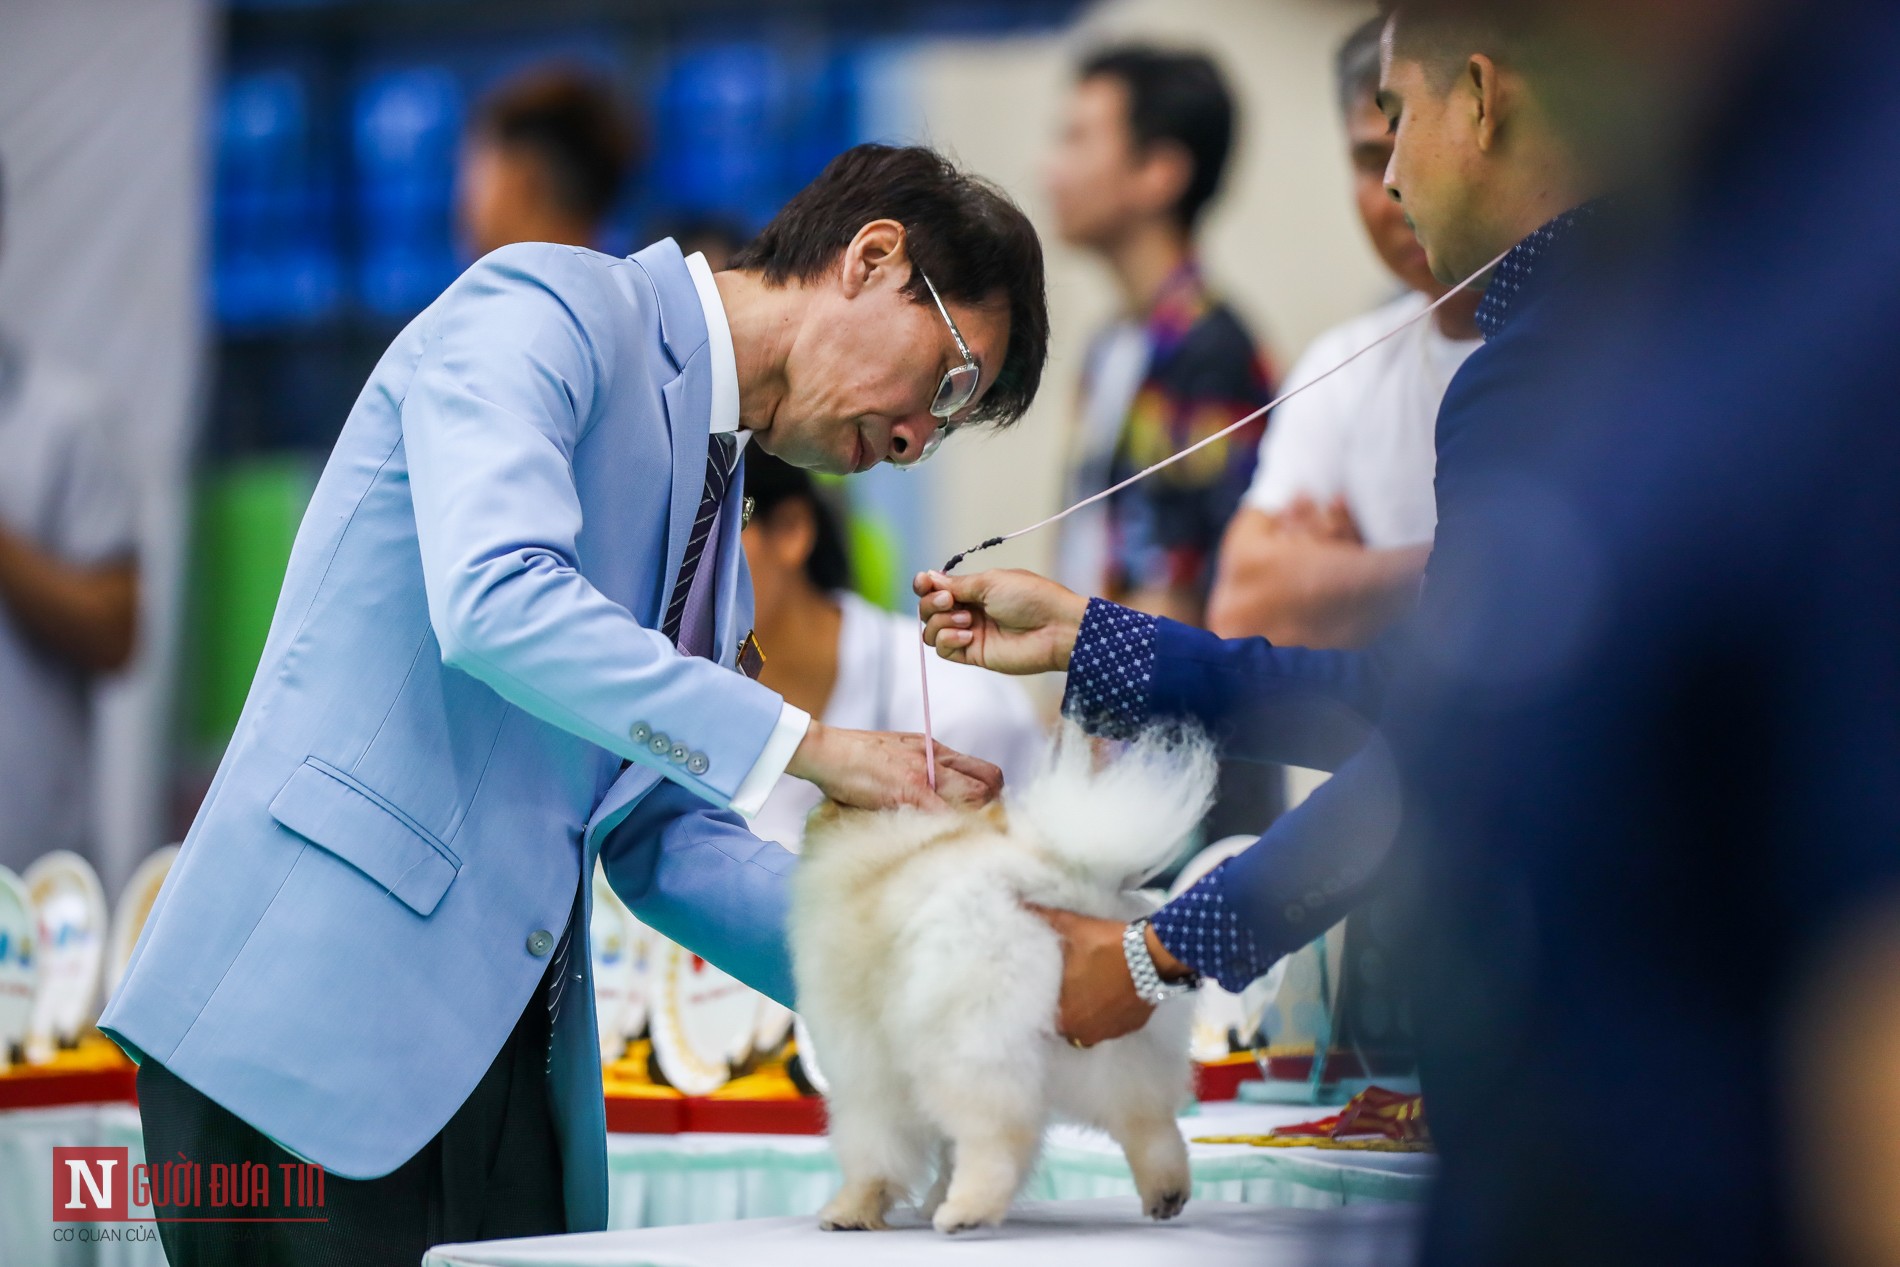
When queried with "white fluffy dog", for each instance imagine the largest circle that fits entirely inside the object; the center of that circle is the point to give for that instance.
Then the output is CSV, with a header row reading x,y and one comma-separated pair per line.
x,y
931,989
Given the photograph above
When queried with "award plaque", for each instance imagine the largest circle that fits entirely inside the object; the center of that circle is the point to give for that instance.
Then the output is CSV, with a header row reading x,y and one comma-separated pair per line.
x,y
702,1020
135,907
613,939
19,966
808,1070
773,1028
71,906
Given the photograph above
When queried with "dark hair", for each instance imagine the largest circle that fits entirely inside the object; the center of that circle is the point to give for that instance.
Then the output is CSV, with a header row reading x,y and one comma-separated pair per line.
x,y
1356,64
1441,34
973,241
575,125
1179,98
771,482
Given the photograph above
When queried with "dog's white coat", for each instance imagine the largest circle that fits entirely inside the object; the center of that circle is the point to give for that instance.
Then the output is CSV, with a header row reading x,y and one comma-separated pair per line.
x,y
931,990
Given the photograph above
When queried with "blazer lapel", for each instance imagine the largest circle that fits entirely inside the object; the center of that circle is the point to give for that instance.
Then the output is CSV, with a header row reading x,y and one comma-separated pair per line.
x,y
689,420
687,397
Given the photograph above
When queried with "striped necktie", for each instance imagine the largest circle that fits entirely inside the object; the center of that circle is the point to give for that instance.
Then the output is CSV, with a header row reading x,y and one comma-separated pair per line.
x,y
719,454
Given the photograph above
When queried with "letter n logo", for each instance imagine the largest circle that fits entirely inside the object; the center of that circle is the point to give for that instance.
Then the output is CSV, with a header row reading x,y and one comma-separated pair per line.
x,y
89,1185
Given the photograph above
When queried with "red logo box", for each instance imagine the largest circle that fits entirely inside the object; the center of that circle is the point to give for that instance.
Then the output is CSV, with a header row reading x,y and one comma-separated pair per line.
x,y
90,1184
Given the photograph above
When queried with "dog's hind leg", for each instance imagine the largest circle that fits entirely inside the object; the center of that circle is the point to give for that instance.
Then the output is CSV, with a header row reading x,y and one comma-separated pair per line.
x,y
881,1159
991,1164
1158,1156
995,1129
940,1186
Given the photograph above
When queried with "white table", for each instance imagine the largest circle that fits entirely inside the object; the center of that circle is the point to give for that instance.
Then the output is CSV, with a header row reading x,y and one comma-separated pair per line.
x,y
1101,1233
669,1180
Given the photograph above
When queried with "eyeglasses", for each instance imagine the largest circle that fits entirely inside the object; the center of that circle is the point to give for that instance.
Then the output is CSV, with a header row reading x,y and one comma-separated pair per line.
x,y
959,384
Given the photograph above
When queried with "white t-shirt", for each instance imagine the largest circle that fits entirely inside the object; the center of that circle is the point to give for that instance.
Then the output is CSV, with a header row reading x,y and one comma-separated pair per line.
x,y
973,710
63,489
1368,432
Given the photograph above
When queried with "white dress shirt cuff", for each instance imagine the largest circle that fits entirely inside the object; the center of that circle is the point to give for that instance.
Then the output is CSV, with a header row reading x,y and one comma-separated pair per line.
x,y
758,783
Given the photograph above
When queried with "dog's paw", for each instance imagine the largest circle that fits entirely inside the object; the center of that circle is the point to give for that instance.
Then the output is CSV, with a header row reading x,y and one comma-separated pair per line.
x,y
952,1218
854,1212
1167,1204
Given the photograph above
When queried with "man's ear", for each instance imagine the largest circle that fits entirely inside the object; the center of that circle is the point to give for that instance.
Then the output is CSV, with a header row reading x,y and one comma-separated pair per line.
x,y
1164,174
1483,84
878,247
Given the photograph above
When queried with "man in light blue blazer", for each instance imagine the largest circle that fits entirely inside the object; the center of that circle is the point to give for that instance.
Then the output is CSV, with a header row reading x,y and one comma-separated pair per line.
x,y
505,646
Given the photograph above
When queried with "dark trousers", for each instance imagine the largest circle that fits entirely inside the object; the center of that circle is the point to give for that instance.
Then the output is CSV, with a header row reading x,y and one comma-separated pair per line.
x,y
493,1171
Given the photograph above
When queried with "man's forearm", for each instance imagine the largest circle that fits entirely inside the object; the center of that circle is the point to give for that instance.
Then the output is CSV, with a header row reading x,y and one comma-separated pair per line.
x,y
1297,591
85,615
1306,873
1259,702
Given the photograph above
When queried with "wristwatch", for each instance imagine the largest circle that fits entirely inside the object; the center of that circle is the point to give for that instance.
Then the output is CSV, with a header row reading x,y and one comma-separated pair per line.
x,y
1141,967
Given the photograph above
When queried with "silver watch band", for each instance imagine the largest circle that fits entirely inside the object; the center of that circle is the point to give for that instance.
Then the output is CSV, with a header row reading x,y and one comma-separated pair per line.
x,y
1141,966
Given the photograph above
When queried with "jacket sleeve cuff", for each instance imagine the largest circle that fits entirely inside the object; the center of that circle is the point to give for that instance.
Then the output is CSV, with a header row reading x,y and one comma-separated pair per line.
x,y
1202,930
1110,670
764,775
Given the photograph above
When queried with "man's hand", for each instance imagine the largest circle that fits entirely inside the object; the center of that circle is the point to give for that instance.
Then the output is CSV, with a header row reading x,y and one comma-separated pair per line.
x,y
1305,517
873,770
1098,996
1007,620
86,616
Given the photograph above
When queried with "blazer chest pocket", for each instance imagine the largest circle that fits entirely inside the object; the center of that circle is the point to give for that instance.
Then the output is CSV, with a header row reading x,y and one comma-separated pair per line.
x,y
341,816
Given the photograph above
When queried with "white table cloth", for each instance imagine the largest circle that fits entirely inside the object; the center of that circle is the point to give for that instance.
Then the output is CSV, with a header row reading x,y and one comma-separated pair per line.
x,y
667,1180
1102,1233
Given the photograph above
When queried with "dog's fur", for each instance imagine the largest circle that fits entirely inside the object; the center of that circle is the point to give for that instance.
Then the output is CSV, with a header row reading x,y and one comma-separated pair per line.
x,y
930,989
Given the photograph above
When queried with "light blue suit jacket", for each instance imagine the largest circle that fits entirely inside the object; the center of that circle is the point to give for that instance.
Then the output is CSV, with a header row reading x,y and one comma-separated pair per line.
x,y
430,756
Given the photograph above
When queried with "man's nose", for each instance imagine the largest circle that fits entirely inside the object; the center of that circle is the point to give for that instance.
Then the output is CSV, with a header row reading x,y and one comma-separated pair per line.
x,y
908,437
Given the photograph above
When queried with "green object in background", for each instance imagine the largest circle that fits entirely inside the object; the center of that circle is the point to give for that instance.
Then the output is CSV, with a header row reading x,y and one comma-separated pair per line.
x,y
246,518
876,561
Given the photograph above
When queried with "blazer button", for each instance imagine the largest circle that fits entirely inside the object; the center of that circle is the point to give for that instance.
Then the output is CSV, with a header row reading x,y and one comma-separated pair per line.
x,y
679,753
697,763
659,745
642,732
540,941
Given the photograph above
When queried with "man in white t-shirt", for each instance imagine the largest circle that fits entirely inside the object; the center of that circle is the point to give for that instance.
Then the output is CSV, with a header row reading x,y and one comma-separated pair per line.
x,y
1331,539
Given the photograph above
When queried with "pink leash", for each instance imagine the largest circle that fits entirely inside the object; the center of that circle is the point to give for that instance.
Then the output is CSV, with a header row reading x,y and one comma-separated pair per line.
x,y
930,760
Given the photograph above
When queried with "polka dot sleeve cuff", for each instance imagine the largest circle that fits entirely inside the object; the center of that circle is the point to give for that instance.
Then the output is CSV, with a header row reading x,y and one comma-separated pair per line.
x,y
1110,669
1201,930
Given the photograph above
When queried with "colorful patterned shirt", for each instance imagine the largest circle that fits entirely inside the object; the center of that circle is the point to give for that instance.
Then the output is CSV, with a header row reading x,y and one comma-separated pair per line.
x,y
1204,372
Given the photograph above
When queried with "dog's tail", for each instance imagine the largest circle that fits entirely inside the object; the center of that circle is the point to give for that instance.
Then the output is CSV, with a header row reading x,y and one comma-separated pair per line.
x,y
1119,811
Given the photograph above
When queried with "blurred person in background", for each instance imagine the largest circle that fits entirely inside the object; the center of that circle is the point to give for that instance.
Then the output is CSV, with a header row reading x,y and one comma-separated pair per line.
x,y
1328,549
513,640
69,586
851,663
546,157
718,238
1139,159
